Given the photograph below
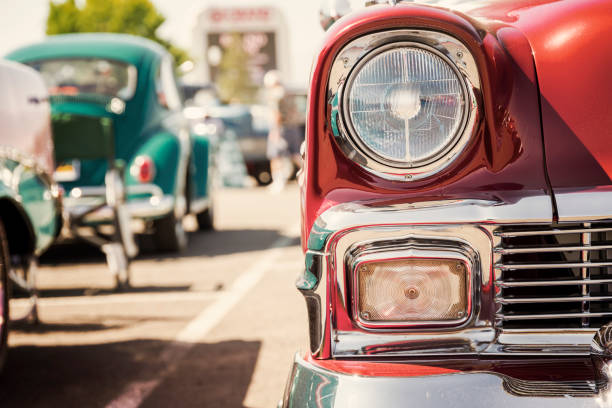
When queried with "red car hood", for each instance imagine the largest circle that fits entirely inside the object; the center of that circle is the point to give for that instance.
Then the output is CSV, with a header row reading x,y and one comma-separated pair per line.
x,y
573,56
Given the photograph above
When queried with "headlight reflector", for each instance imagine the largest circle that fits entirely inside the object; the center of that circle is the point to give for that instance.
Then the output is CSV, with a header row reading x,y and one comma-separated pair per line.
x,y
413,290
406,105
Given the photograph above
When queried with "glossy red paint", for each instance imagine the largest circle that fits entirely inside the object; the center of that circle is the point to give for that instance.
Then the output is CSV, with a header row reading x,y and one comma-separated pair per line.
x,y
373,369
574,64
504,159
571,50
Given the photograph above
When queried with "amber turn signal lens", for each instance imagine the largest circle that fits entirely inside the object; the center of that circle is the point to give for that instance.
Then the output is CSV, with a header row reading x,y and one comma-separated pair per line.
x,y
413,290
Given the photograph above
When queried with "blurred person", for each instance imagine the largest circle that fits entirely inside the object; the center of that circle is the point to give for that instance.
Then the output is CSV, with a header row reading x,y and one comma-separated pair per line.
x,y
278,144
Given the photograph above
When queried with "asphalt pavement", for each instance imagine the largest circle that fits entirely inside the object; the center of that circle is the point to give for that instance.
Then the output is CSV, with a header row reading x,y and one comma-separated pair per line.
x,y
215,326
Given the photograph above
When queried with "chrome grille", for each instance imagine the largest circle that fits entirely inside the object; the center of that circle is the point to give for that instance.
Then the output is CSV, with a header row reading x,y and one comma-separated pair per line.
x,y
553,276
552,389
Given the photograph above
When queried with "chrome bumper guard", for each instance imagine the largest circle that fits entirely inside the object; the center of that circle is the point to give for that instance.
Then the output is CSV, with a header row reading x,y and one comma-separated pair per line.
x,y
348,231
82,199
310,385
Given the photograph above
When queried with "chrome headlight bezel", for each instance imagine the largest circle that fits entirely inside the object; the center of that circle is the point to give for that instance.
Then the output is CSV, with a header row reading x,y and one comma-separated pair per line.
x,y
358,52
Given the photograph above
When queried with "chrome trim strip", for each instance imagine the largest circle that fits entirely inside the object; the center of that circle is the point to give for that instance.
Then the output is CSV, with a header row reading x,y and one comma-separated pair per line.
x,y
540,342
511,301
354,52
313,285
552,265
534,250
578,282
527,210
550,231
584,206
553,316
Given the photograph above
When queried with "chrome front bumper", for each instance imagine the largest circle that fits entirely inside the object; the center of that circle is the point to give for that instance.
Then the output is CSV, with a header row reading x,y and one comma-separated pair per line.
x,y
310,385
155,205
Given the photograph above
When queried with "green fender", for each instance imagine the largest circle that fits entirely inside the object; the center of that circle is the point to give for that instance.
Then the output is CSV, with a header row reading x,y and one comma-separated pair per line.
x,y
164,149
23,189
200,170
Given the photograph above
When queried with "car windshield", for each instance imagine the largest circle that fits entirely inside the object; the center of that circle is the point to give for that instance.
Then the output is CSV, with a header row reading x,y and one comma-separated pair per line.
x,y
88,76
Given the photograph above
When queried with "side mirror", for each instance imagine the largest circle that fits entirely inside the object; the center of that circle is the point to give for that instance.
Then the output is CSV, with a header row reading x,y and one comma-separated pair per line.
x,y
186,67
333,10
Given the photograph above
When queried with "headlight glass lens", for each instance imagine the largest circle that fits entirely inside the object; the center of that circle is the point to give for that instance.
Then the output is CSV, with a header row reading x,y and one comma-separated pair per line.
x,y
406,104
413,290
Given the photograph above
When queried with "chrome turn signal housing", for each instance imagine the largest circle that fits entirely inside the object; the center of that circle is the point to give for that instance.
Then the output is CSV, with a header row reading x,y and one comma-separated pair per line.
x,y
412,292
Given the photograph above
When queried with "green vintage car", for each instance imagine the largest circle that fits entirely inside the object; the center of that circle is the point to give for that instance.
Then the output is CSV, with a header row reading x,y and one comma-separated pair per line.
x,y
120,134
29,198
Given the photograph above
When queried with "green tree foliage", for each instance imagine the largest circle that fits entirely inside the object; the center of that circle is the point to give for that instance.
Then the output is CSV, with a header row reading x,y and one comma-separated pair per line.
x,y
136,17
233,81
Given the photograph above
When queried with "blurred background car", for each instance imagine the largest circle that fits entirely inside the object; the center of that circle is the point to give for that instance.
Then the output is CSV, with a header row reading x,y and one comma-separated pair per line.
x,y
249,127
199,94
116,105
295,100
30,215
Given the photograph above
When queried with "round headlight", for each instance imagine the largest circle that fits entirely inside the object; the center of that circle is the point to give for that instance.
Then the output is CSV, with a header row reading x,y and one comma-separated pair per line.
x,y
405,105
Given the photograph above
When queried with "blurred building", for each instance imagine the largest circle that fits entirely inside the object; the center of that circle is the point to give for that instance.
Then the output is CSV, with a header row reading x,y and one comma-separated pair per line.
x,y
261,29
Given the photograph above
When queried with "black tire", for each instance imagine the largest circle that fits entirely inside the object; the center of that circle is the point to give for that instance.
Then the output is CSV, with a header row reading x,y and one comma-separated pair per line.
x,y
263,177
122,285
169,235
206,219
4,270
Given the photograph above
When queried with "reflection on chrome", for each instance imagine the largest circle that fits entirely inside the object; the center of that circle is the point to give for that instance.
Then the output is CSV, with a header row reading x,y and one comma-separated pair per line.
x,y
604,399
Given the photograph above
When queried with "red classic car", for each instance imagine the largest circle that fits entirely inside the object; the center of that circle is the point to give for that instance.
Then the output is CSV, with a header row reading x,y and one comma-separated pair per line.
x,y
457,207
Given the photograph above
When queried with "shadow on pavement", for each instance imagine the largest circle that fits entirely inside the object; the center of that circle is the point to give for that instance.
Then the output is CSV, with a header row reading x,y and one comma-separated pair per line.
x,y
207,375
72,253
210,375
214,243
118,322
201,243
42,327
73,292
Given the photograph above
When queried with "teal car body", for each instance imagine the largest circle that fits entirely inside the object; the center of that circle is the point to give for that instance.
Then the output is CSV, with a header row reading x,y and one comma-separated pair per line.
x,y
30,207
129,83
29,202
26,192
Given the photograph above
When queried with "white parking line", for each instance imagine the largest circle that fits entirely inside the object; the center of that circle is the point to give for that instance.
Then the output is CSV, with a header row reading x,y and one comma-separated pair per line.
x,y
197,329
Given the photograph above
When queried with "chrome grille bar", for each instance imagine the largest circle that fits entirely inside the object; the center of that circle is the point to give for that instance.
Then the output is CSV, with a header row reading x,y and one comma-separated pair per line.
x,y
553,231
538,316
585,238
554,276
510,301
536,250
574,282
553,265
